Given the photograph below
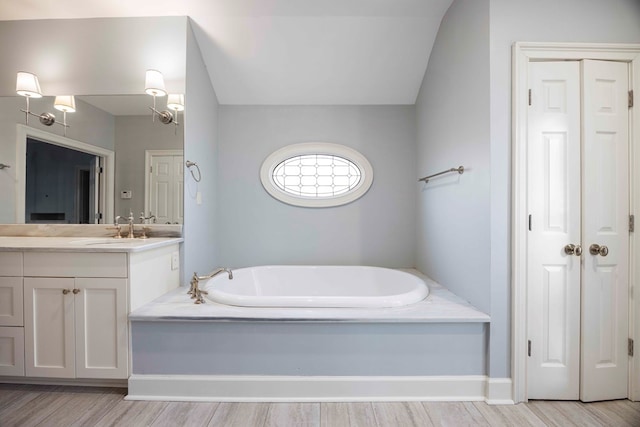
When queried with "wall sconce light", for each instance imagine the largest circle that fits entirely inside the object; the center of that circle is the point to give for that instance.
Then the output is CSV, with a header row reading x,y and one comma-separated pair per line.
x,y
154,86
27,85
175,102
66,104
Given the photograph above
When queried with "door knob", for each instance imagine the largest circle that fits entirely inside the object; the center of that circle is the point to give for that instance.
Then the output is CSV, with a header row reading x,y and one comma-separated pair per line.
x,y
76,291
596,249
65,291
572,249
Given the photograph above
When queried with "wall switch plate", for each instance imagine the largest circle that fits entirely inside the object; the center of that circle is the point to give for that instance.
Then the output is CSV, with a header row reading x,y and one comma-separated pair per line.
x,y
126,194
175,260
199,198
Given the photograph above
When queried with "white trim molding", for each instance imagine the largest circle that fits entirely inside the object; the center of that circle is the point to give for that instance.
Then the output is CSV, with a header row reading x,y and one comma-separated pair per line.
x,y
312,148
523,53
250,388
499,391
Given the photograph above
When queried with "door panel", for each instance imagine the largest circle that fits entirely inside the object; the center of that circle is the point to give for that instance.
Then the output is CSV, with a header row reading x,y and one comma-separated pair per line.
x,y
49,332
161,186
178,192
554,205
166,198
101,328
605,222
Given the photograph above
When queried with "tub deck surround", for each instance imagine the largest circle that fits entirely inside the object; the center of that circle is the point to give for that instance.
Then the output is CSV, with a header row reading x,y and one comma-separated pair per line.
x,y
83,244
83,230
431,350
441,306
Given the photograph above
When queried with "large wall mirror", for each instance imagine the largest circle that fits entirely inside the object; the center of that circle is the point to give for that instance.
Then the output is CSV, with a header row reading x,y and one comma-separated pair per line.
x,y
133,164
102,62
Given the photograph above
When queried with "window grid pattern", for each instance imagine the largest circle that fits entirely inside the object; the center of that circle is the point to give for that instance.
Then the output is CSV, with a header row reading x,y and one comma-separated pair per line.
x,y
316,175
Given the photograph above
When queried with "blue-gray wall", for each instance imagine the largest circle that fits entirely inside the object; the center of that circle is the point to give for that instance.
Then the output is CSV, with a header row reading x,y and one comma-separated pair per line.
x,y
201,121
307,348
256,229
464,117
452,116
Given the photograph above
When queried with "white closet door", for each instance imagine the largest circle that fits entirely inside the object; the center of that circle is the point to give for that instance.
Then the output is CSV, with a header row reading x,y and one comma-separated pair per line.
x,y
553,289
605,295
162,189
167,182
178,189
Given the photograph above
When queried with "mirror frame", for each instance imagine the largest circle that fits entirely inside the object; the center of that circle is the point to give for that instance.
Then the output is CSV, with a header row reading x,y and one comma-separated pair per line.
x,y
107,187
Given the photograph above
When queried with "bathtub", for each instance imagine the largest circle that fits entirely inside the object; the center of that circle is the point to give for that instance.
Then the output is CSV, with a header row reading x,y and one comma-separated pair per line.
x,y
316,286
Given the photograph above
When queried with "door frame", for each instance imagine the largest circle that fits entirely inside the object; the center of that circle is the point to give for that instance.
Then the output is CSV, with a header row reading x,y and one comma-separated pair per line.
x,y
522,54
148,161
107,185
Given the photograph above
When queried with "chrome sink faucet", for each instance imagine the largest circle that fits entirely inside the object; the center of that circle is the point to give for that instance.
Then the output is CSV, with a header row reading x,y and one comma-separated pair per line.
x,y
143,218
195,291
130,223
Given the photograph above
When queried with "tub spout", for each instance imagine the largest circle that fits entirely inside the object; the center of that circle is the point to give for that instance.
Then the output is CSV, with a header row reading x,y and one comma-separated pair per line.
x,y
195,291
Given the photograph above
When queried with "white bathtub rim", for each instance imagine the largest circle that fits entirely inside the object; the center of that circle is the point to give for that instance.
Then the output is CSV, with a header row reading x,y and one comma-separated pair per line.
x,y
221,297
419,291
440,306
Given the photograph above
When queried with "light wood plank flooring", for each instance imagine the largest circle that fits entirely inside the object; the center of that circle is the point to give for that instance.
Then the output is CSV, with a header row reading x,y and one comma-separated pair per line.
x,y
33,405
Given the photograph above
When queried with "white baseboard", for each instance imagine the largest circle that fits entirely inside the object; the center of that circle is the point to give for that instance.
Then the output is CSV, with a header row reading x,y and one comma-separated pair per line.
x,y
247,388
499,391
88,382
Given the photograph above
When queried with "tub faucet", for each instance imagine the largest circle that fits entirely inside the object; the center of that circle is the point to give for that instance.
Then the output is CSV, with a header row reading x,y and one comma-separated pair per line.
x,y
196,292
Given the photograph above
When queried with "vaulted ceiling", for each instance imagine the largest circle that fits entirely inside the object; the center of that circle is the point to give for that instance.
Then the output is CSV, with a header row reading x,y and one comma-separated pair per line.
x,y
289,52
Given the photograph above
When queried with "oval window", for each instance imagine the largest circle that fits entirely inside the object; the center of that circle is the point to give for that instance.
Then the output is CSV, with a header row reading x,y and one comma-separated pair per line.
x,y
316,174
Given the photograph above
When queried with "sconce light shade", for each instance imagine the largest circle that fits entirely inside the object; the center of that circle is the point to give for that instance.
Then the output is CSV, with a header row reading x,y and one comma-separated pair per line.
x,y
175,102
65,103
27,85
154,83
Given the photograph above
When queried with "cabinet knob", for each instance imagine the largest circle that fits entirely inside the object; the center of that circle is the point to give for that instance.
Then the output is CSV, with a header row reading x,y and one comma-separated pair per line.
x,y
76,291
65,291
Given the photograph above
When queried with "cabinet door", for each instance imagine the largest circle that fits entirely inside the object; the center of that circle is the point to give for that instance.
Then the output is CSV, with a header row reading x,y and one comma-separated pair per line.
x,y
101,328
11,301
49,329
12,351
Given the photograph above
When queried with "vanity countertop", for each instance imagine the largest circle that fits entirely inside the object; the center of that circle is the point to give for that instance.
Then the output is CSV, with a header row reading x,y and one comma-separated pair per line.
x,y
83,244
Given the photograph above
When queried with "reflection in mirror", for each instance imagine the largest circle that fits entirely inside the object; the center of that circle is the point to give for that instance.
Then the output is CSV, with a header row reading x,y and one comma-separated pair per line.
x,y
153,192
49,179
61,185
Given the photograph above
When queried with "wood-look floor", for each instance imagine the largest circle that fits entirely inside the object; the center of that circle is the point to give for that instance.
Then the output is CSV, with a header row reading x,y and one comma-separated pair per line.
x,y
32,405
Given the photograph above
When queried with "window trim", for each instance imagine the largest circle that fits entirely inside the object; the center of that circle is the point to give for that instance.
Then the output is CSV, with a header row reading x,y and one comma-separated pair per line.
x,y
310,148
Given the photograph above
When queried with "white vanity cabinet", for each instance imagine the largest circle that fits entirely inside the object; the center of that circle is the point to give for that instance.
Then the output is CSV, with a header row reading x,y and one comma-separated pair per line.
x,y
63,314
76,327
75,307
11,314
